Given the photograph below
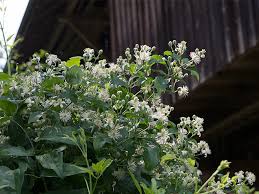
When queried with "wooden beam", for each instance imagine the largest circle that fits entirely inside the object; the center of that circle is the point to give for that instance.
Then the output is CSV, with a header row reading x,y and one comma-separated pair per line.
x,y
78,32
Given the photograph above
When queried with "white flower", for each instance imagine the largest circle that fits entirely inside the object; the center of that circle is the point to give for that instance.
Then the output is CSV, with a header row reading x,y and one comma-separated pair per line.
x,y
57,88
240,176
203,147
13,85
181,47
65,116
143,55
119,174
250,177
29,102
114,68
115,132
163,136
162,113
197,123
104,95
183,91
52,59
135,103
195,57
88,53
177,72
220,191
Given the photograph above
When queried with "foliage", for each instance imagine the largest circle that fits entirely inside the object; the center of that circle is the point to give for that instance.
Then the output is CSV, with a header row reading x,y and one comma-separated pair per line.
x,y
88,126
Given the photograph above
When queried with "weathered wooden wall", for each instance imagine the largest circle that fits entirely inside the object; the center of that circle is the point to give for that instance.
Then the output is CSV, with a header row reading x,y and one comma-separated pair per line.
x,y
225,28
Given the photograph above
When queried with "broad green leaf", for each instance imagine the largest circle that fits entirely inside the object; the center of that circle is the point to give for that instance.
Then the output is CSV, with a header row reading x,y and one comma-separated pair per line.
x,y
4,77
176,57
74,75
151,157
49,83
53,161
167,157
101,166
160,84
100,140
73,61
12,178
135,181
116,81
8,107
58,135
194,72
14,151
19,177
68,170
34,116
168,53
156,59
6,178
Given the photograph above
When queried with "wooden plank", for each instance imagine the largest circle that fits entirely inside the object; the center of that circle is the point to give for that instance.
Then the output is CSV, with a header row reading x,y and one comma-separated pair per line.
x,y
147,30
112,29
135,38
140,21
117,7
227,33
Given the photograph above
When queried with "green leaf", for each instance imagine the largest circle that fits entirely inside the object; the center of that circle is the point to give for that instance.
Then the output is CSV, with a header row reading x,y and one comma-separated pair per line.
x,y
146,189
101,166
12,178
57,135
8,107
151,157
14,151
9,37
168,53
160,84
100,140
194,72
73,61
176,57
137,185
53,161
34,116
156,59
6,178
191,162
4,77
19,177
74,75
49,83
68,170
167,157
132,68
225,178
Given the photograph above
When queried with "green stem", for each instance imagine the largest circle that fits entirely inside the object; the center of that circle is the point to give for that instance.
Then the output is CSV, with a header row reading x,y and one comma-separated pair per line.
x,y
6,50
26,134
211,177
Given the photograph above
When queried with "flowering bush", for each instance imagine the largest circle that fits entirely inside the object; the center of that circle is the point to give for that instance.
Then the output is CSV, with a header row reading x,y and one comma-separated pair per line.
x,y
88,126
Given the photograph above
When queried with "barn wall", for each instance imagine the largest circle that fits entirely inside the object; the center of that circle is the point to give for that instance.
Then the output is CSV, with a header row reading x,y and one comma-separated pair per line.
x,y
225,28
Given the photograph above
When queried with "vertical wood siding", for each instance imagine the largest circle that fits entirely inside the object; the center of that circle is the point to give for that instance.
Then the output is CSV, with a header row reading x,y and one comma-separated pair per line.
x,y
225,28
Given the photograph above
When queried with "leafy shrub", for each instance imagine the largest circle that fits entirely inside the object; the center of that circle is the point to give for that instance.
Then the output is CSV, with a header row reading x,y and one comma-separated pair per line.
x,y
88,126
